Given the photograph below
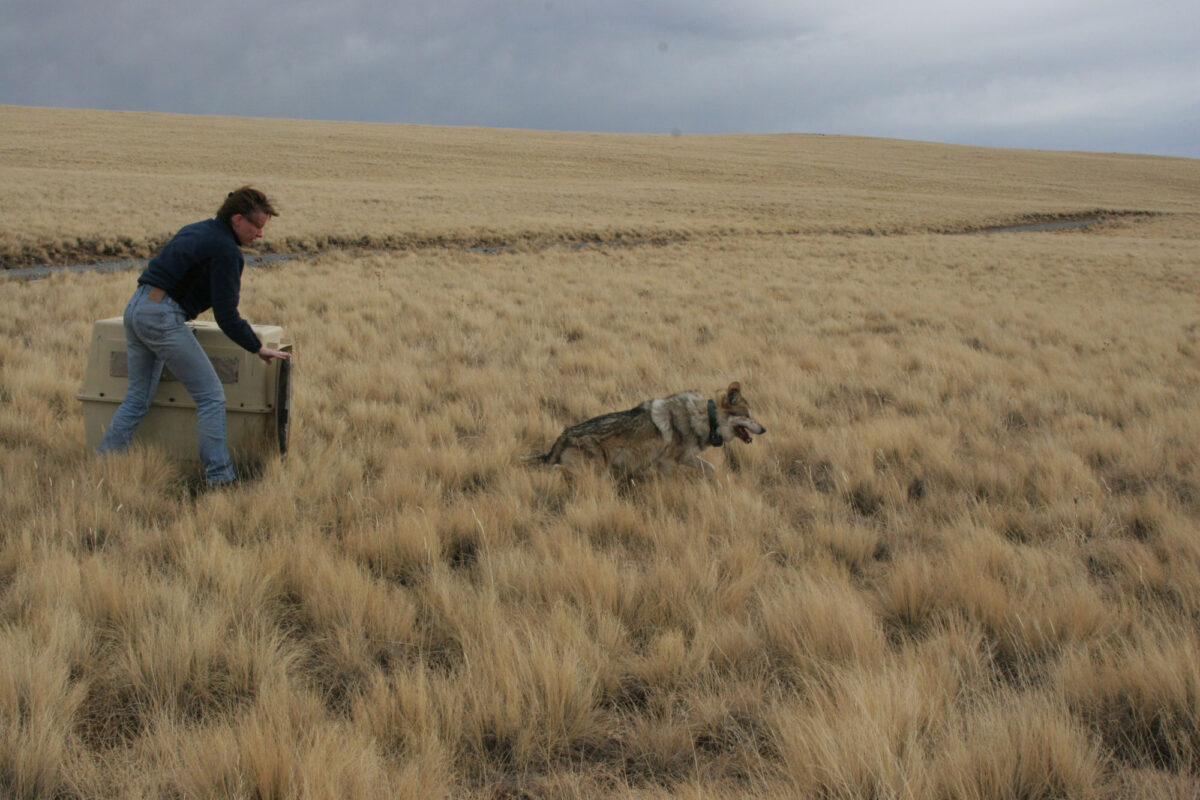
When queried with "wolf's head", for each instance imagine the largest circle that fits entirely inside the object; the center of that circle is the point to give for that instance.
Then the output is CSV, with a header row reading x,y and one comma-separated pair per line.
x,y
733,415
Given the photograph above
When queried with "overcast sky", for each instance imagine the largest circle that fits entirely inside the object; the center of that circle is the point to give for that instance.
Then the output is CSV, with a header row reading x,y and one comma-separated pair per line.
x,y
1053,74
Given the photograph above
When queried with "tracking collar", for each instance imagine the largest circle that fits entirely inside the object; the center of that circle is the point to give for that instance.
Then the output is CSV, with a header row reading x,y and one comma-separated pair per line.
x,y
714,436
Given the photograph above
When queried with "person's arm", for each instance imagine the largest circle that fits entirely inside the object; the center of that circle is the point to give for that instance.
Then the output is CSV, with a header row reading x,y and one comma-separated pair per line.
x,y
225,278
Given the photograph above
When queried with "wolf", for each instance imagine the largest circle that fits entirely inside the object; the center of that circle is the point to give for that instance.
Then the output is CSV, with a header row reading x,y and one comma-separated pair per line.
x,y
663,433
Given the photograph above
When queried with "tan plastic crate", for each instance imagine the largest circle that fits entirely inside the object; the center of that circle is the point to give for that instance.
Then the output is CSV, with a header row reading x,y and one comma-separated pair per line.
x,y
257,395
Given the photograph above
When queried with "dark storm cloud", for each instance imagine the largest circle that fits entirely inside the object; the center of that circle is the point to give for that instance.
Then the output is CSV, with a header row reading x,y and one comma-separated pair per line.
x,y
1070,75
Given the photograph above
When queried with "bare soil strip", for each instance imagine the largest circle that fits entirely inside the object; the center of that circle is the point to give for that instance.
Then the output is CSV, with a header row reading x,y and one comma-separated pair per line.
x,y
1040,224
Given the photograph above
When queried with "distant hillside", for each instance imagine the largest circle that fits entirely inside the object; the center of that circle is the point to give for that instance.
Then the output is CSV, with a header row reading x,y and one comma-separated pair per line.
x,y
80,184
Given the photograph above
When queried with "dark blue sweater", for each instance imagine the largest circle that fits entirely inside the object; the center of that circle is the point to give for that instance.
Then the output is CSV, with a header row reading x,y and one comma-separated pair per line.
x,y
201,268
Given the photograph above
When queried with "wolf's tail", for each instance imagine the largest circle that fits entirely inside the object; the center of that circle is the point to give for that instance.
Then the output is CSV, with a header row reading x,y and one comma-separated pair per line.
x,y
550,457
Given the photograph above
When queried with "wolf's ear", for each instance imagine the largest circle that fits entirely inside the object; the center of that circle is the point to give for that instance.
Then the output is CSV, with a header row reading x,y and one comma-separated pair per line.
x,y
731,394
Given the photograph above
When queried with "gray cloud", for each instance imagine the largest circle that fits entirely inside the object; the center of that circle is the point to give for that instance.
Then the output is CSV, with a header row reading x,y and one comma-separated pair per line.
x,y
1072,75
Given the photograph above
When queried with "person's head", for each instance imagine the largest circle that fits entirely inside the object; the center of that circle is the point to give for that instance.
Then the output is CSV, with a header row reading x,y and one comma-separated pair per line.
x,y
246,210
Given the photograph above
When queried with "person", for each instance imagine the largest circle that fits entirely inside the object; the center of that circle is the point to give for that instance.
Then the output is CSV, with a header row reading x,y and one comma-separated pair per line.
x,y
199,268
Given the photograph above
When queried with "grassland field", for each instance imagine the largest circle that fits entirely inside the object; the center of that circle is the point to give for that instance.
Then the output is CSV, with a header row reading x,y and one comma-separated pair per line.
x,y
963,562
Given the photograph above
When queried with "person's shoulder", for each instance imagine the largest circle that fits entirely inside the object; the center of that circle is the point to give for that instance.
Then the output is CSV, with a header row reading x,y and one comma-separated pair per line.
x,y
218,237
198,233
200,229
216,227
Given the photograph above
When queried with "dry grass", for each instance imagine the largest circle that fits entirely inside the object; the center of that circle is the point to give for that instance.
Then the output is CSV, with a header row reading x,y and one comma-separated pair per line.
x,y
113,184
961,564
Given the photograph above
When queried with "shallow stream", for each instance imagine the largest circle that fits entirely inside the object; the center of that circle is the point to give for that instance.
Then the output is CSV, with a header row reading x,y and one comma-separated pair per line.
x,y
261,259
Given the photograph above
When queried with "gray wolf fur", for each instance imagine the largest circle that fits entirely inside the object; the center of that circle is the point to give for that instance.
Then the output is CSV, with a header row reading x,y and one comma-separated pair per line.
x,y
663,434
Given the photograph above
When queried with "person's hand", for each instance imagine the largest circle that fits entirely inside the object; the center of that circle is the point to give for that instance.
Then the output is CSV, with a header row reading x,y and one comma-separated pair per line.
x,y
266,354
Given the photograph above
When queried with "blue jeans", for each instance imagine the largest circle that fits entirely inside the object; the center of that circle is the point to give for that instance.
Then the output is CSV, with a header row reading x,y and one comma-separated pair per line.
x,y
155,334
